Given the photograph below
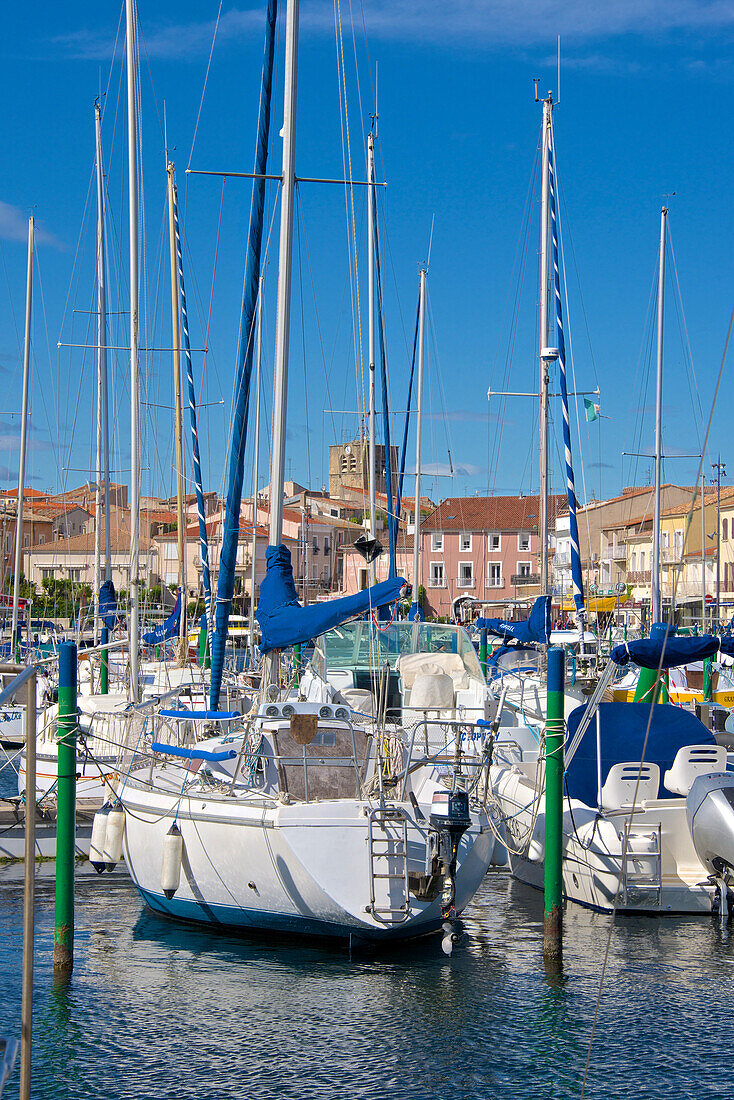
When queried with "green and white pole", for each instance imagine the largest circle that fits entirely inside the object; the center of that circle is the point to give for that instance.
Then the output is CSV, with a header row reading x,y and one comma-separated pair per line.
x,y
65,813
204,651
553,865
104,661
483,648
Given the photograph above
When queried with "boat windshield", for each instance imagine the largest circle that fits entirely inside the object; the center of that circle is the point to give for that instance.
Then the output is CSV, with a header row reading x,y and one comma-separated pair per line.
x,y
363,645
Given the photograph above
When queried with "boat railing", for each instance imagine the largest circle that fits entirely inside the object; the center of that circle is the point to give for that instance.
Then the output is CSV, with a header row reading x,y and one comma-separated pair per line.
x,y
449,752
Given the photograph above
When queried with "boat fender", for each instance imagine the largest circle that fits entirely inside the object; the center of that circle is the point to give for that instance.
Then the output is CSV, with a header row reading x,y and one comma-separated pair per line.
x,y
113,837
172,858
99,836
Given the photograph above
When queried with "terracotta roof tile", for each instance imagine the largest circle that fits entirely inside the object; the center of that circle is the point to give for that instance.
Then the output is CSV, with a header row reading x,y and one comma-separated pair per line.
x,y
519,513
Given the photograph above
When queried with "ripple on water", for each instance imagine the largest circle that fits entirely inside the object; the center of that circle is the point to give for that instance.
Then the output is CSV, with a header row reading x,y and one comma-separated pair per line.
x,y
159,1009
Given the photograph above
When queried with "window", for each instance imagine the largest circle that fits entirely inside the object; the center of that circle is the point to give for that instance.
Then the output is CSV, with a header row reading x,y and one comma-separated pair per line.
x,y
436,577
75,575
664,540
315,545
523,541
41,540
170,551
725,530
494,542
437,542
27,539
464,542
633,561
362,579
523,568
326,545
334,512
642,560
466,574
7,544
47,574
494,575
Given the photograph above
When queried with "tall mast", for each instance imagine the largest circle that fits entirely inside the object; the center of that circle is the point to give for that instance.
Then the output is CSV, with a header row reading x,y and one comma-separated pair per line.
x,y
656,603
177,407
545,356
103,443
703,553
132,154
371,331
256,463
23,439
418,432
283,314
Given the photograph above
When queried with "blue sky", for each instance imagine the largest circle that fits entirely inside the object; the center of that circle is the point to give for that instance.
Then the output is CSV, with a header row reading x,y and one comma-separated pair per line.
x,y
645,111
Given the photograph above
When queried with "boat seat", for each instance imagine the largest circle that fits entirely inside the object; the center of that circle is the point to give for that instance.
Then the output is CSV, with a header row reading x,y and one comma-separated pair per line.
x,y
622,782
432,691
410,665
360,701
691,761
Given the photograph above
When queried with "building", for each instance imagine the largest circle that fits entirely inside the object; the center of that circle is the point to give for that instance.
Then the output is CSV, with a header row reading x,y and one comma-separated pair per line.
x,y
349,466
486,548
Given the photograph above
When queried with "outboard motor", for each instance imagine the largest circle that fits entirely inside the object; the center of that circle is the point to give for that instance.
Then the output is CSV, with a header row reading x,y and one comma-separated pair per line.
x,y
710,812
450,819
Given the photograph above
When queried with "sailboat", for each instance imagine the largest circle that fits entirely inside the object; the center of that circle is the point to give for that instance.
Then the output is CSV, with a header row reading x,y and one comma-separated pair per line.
x,y
300,818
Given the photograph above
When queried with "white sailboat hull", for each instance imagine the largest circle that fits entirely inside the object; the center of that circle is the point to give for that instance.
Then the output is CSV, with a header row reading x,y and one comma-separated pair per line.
x,y
304,868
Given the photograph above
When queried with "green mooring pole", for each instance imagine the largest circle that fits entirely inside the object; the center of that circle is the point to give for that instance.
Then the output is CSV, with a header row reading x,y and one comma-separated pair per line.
x,y
483,651
553,868
204,658
104,662
65,813
297,662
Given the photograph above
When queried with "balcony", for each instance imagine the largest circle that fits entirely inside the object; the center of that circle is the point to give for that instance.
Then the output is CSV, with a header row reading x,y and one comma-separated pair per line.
x,y
525,578
562,559
670,555
436,582
465,583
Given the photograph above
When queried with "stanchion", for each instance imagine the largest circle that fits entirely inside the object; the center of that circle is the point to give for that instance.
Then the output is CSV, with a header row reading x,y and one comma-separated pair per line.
x,y
553,864
65,813
29,888
297,662
104,662
483,647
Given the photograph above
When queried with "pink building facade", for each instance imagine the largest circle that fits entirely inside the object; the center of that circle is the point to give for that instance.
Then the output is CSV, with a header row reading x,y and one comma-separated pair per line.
x,y
482,548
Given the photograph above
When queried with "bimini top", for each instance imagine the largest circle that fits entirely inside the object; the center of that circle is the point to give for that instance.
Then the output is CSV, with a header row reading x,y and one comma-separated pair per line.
x,y
537,628
623,728
283,622
671,651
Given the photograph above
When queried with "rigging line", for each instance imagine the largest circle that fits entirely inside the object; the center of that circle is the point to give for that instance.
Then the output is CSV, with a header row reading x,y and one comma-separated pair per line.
x,y
48,345
578,282
685,325
303,348
318,321
206,79
349,187
359,87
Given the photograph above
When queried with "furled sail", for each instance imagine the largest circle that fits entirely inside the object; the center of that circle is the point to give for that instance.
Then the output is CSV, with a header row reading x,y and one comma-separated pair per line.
x,y
536,628
169,628
230,535
671,651
284,622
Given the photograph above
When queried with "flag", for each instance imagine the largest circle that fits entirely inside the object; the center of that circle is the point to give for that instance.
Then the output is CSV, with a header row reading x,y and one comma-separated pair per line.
x,y
592,410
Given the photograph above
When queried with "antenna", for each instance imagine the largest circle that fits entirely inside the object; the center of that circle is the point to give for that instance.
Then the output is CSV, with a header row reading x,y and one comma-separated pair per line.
x,y
430,243
536,82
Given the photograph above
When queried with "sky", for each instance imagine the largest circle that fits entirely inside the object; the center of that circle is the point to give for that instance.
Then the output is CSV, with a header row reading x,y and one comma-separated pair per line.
x,y
643,119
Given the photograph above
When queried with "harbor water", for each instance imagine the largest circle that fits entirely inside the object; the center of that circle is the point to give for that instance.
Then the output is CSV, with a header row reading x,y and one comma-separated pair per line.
x,y
157,1009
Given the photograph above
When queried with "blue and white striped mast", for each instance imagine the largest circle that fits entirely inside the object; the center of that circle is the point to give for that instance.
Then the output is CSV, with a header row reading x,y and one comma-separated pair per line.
x,y
548,354
559,352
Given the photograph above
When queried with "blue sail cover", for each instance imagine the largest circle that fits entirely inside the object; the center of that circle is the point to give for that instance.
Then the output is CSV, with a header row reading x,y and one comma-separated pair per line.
x,y
576,575
108,605
623,728
167,629
662,653
283,622
535,629
235,474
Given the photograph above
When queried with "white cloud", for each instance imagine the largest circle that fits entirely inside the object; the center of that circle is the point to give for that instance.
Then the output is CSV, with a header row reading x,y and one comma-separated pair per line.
x,y
486,23
442,469
14,227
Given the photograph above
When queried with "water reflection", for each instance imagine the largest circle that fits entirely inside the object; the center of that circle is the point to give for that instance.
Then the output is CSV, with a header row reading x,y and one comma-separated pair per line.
x,y
157,1008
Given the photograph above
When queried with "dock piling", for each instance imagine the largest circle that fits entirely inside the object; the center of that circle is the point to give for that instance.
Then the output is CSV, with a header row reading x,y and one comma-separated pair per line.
x,y
483,648
553,865
65,813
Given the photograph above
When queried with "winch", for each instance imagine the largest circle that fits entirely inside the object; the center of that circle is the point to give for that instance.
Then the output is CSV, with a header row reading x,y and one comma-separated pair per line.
x,y
450,819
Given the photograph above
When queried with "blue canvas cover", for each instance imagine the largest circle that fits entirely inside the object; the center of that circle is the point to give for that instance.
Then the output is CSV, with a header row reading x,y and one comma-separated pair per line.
x,y
662,653
108,605
535,629
623,728
283,622
167,629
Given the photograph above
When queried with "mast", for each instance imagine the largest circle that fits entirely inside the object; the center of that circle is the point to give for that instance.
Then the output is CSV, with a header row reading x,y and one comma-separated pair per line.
x,y
23,439
282,321
102,470
132,153
545,351
256,464
178,411
371,333
703,553
418,432
655,575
